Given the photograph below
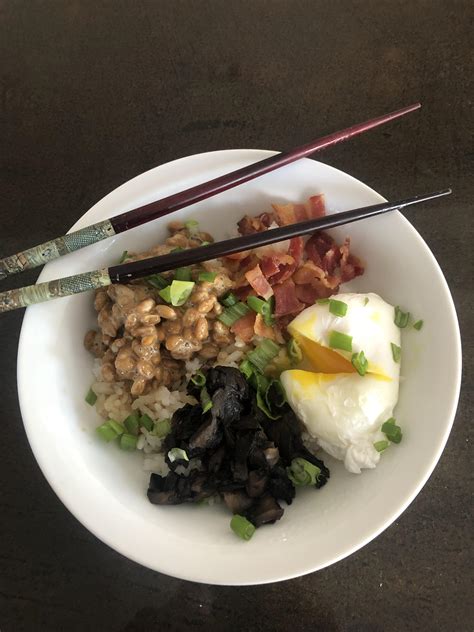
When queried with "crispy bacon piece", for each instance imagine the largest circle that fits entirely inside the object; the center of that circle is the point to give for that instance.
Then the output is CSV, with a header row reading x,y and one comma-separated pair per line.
x,y
286,301
249,225
244,327
316,206
266,331
351,266
259,283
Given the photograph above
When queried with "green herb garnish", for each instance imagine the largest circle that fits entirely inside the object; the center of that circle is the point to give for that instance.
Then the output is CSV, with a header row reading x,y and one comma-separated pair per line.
x,y
339,340
418,325
302,472
338,308
242,527
359,362
392,431
396,352
91,397
380,446
401,318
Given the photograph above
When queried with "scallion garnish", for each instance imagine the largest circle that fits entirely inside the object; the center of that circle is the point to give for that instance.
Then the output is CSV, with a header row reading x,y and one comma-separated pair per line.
x,y
418,325
165,293
339,340
206,402
294,351
91,397
208,277
180,291
177,454
162,428
146,422
396,352
232,314
366,300
199,379
106,432
128,442
206,243
359,362
263,354
302,472
338,308
116,427
392,431
229,300
401,318
322,301
178,249
265,308
191,226
132,423
242,527
124,256
380,446
182,274
247,369
157,281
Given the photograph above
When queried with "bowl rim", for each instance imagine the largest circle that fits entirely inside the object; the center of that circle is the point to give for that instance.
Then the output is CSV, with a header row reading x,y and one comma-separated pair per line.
x,y
125,550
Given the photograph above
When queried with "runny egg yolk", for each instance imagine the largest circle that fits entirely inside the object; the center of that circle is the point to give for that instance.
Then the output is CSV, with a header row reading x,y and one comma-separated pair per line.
x,y
322,359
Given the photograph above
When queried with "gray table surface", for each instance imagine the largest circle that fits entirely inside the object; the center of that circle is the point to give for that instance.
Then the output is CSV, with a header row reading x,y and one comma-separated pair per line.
x,y
94,93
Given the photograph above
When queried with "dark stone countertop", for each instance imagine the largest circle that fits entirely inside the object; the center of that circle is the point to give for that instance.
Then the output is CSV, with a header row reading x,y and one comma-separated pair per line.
x,y
94,93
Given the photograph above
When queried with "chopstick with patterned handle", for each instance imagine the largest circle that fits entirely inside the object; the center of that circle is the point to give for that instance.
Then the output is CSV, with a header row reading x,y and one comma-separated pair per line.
x,y
39,255
126,272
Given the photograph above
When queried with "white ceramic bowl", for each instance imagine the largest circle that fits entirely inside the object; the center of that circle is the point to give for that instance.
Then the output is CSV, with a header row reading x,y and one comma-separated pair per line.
x,y
105,488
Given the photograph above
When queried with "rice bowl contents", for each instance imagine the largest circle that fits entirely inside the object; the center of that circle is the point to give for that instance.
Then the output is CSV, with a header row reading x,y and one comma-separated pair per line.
x,y
160,339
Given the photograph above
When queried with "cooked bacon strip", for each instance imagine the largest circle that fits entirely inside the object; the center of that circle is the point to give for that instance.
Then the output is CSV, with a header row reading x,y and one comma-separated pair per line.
x,y
249,225
316,206
310,293
259,283
351,266
266,331
318,245
296,252
311,274
286,301
244,327
285,214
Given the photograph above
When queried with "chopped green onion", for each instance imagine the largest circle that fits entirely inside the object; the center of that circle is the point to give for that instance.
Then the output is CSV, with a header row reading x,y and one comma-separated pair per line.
x,y
401,318
106,432
229,300
247,369
276,387
322,301
294,351
302,472
124,256
206,243
191,226
265,308
264,407
242,527
396,352
146,422
199,379
132,423
418,325
91,397
206,401
177,454
338,308
162,428
209,277
178,249
182,274
128,442
180,291
366,300
392,431
339,340
116,427
165,293
263,354
157,281
232,314
359,362
380,446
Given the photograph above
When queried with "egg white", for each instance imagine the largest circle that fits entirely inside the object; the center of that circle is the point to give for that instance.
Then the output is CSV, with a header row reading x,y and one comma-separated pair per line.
x,y
369,320
343,411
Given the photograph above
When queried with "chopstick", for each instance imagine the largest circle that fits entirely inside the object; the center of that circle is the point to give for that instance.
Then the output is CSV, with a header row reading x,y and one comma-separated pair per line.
x,y
123,273
50,250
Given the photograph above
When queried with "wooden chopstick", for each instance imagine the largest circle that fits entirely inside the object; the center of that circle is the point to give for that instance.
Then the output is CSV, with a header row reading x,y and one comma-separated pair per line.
x,y
39,255
123,273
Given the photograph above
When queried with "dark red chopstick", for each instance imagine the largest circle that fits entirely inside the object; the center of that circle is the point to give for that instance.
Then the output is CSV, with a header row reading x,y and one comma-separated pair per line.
x,y
148,212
